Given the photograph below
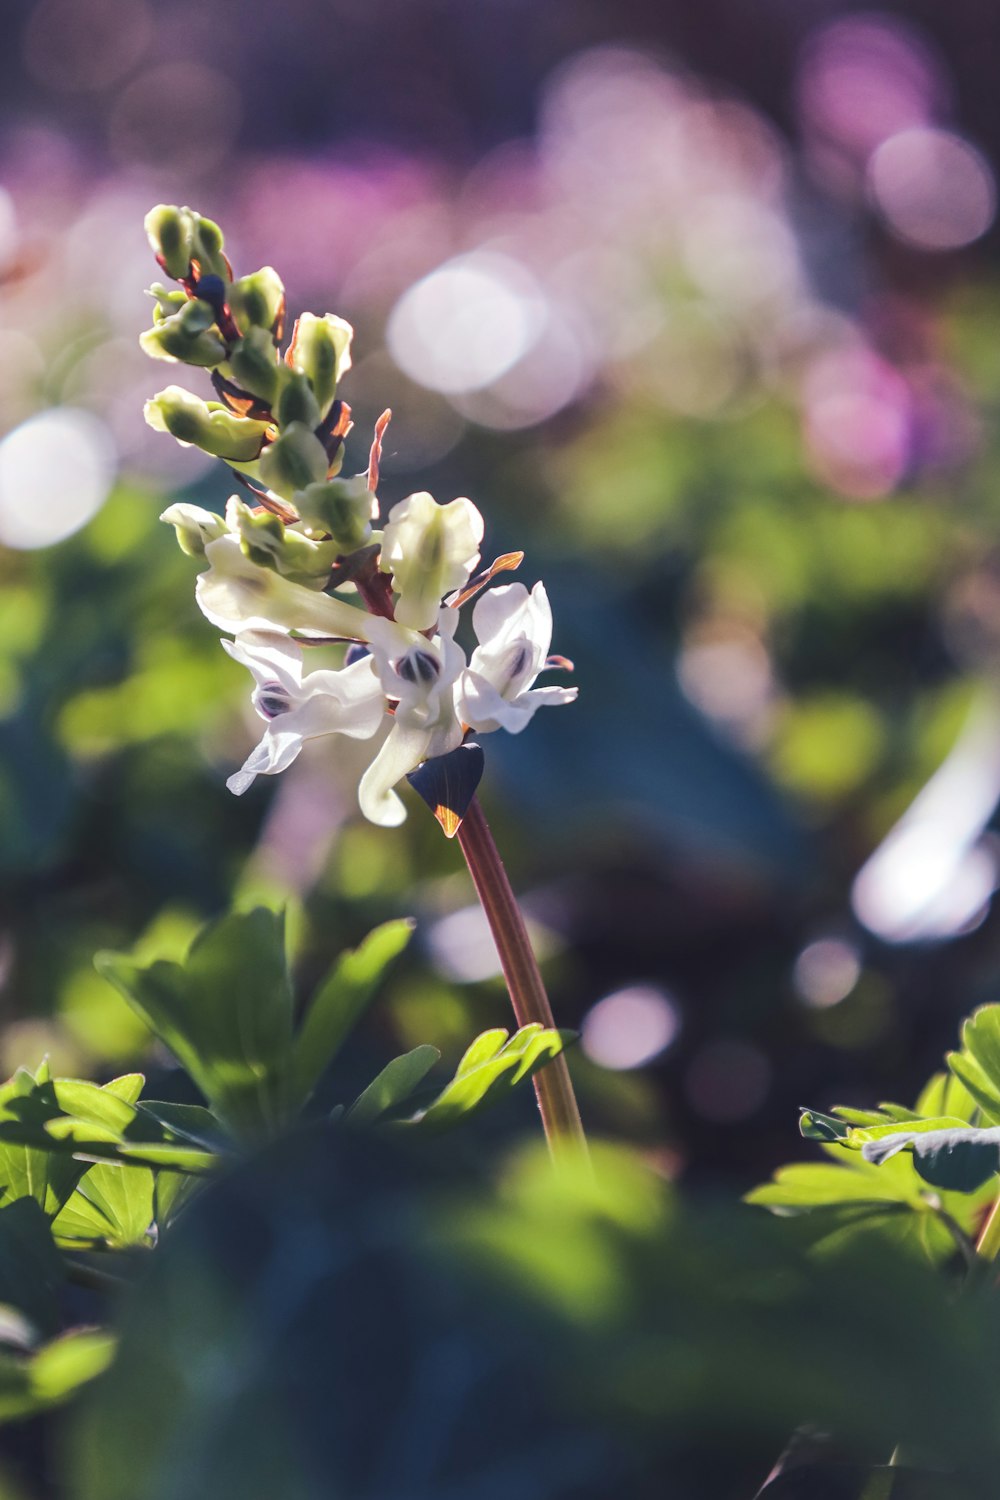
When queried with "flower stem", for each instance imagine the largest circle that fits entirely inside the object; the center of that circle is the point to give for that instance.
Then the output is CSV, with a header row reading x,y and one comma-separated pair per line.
x,y
988,1243
553,1086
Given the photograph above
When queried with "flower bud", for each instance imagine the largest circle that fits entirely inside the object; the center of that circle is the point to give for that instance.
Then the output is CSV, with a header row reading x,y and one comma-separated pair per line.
x,y
170,233
256,301
179,236
343,507
429,549
254,363
169,300
208,247
293,461
195,527
206,425
296,402
321,350
187,336
266,541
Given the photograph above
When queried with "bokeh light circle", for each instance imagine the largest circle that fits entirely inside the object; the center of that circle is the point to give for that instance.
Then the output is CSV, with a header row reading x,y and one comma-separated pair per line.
x,y
466,324
630,1027
932,188
56,470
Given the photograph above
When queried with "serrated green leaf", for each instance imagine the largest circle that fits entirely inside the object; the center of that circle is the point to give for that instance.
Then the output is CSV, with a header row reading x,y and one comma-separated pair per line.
x,y
30,1164
393,1086
340,1002
226,1014
124,1195
80,1222
491,1068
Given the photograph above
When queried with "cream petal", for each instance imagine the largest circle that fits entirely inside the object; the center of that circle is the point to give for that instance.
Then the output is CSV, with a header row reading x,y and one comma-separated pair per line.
x,y
401,753
237,596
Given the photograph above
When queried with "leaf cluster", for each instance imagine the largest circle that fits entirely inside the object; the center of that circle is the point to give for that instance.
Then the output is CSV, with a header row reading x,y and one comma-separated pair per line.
x,y
106,1170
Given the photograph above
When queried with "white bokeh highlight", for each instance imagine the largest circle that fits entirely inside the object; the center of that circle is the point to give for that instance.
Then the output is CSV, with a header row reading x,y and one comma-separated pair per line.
x,y
56,471
466,324
631,1027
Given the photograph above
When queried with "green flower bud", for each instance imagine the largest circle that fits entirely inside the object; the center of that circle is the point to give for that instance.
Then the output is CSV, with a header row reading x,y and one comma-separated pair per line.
x,y
293,461
187,336
256,301
268,543
343,507
207,247
321,349
255,365
296,402
195,527
169,300
206,425
170,233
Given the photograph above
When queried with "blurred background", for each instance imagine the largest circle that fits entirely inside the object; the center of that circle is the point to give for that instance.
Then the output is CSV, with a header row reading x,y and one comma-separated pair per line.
x,y
697,303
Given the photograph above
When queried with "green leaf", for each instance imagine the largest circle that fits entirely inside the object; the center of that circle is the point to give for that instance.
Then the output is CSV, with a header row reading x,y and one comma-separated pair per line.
x,y
492,1068
226,1014
945,1094
52,1374
30,1166
340,1002
394,1084
31,1270
981,1040
976,1083
959,1159
806,1185
817,1127
124,1195
80,1222
191,1122
826,1128
60,1367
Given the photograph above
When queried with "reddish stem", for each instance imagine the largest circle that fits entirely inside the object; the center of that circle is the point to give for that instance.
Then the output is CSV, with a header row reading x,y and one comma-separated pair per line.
x,y
553,1086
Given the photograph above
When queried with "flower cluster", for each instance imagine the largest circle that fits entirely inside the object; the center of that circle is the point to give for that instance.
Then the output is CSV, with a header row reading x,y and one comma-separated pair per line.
x,y
302,560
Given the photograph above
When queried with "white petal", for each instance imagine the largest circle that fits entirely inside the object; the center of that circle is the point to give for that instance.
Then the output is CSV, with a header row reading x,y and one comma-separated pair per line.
x,y
345,702
482,707
270,657
275,752
494,610
402,752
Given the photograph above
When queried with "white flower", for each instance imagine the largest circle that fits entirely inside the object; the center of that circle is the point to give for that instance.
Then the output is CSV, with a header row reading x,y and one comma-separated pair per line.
x,y
299,708
238,596
420,675
514,630
429,549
